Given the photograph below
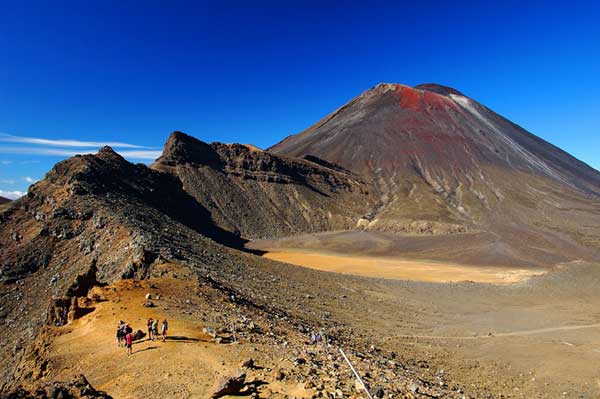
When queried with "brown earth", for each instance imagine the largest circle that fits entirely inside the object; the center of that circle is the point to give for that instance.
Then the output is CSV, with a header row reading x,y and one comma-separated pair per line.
x,y
190,361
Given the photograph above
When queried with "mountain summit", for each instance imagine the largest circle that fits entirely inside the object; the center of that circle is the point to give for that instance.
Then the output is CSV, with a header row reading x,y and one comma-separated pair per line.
x,y
431,145
438,132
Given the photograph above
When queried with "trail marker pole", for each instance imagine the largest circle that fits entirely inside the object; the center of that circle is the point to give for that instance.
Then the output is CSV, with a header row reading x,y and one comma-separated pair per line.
x,y
356,374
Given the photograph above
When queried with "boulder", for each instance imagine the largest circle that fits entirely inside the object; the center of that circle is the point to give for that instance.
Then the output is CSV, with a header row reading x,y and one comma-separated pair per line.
x,y
378,392
210,331
279,375
229,385
139,334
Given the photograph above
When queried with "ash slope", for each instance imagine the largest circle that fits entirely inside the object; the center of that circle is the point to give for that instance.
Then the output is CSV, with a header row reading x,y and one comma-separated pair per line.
x,y
4,200
437,156
256,194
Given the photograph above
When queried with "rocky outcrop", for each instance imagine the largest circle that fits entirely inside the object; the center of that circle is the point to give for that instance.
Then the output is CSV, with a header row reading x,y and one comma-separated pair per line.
x,y
258,194
229,385
79,388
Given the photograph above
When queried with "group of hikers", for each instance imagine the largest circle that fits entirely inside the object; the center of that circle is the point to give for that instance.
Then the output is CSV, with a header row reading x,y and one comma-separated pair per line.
x,y
153,329
125,333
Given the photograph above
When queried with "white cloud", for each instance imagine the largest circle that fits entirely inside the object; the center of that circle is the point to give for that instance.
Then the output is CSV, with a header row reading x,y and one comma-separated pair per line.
x,y
140,154
7,182
9,138
11,194
29,179
64,152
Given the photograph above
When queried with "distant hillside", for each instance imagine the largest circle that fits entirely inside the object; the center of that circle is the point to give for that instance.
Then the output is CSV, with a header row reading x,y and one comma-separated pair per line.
x,y
4,200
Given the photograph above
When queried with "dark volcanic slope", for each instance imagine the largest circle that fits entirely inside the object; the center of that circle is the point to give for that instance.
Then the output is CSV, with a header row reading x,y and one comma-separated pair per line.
x,y
257,194
436,155
4,200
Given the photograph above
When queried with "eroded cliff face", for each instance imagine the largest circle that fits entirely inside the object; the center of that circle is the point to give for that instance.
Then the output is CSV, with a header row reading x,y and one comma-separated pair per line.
x,y
256,194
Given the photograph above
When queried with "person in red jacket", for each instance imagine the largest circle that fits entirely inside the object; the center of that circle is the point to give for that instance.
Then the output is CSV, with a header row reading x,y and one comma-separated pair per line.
x,y
128,343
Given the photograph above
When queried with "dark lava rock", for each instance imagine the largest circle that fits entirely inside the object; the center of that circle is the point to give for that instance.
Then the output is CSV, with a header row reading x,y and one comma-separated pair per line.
x,y
230,385
77,389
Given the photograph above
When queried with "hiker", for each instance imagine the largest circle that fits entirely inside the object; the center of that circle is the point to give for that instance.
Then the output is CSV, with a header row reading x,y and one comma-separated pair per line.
x,y
120,332
128,343
64,316
150,329
316,338
154,330
164,328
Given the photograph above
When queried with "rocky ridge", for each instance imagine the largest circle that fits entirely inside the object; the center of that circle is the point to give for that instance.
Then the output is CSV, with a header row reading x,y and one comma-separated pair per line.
x,y
257,194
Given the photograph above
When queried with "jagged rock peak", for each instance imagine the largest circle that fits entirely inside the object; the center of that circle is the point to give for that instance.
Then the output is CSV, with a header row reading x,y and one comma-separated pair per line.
x,y
183,148
106,153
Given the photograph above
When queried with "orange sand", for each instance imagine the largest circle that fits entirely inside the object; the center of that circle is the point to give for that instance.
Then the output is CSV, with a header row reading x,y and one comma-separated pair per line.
x,y
400,269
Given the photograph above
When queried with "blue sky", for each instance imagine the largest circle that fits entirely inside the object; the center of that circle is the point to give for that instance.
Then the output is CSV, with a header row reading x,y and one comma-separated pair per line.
x,y
74,75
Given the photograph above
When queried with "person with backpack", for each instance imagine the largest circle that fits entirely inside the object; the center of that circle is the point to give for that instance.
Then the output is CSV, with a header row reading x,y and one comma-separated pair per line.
x,y
128,343
154,330
120,335
149,324
164,328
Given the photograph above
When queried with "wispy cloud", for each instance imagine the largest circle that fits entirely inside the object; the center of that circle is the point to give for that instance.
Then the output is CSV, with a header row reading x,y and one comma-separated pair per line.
x,y
9,181
63,152
6,162
9,138
141,154
11,194
29,179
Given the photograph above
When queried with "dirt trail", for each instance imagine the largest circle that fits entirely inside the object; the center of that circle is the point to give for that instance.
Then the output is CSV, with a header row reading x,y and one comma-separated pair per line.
x,y
507,334
185,366
401,269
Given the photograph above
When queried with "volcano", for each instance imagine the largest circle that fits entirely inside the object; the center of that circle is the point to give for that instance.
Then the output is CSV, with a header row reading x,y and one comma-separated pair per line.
x,y
435,155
